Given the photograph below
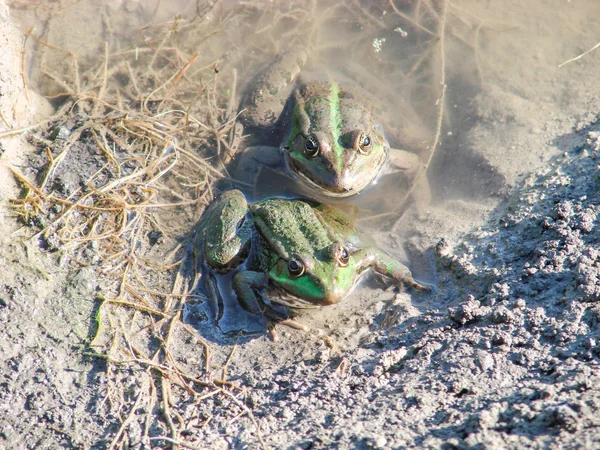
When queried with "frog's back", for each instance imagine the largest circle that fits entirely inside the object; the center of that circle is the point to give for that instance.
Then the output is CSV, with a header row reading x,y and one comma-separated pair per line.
x,y
339,94
292,226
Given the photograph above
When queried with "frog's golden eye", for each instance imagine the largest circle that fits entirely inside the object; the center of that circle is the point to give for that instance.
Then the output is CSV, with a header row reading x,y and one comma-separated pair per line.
x,y
364,144
343,257
311,147
296,266
240,224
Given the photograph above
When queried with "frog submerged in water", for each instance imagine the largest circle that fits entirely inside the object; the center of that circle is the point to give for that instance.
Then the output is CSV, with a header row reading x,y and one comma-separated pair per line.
x,y
335,147
295,255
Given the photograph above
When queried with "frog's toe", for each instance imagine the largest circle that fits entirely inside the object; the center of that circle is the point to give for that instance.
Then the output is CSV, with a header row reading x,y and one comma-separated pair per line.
x,y
294,324
423,287
272,328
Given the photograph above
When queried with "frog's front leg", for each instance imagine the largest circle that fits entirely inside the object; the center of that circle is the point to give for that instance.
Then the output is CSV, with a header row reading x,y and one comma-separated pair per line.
x,y
413,171
381,262
250,162
248,286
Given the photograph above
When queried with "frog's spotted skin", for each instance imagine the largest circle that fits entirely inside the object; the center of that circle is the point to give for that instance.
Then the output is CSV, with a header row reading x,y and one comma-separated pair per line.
x,y
224,234
302,256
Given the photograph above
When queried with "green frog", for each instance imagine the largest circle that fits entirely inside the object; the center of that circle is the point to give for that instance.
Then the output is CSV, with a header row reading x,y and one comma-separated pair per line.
x,y
335,145
286,255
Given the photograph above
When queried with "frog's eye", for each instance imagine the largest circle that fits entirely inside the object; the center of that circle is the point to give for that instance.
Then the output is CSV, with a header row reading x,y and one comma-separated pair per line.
x,y
343,257
311,147
296,266
364,144
240,224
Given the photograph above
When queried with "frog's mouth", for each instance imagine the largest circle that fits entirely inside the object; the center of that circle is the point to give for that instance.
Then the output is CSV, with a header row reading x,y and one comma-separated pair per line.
x,y
306,178
284,298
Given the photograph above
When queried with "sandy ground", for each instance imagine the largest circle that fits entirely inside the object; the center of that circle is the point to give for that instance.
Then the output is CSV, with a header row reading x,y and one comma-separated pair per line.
x,y
503,354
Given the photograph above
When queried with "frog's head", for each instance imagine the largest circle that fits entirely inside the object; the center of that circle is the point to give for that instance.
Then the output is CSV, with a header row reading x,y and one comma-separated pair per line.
x,y
335,148
323,278
224,235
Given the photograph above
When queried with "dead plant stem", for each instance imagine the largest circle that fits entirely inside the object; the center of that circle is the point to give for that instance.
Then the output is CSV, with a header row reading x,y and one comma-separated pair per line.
x,y
440,104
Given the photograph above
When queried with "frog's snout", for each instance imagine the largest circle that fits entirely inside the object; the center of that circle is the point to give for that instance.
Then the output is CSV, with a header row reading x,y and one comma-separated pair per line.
x,y
340,183
326,174
331,297
323,176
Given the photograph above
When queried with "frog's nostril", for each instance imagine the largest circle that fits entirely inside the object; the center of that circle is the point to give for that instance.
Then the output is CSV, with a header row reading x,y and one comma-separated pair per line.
x,y
340,186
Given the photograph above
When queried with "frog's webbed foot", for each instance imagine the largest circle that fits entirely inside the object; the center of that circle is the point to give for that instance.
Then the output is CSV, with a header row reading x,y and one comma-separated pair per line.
x,y
208,283
412,170
215,302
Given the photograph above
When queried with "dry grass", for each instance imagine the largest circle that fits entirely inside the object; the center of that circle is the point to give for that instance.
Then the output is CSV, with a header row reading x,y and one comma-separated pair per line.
x,y
143,133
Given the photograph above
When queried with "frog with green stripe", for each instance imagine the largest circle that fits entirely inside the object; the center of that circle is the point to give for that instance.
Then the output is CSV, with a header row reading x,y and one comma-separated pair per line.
x,y
334,146
286,254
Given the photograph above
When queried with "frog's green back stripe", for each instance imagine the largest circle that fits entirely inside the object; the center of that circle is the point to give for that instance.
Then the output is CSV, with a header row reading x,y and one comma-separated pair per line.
x,y
335,123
